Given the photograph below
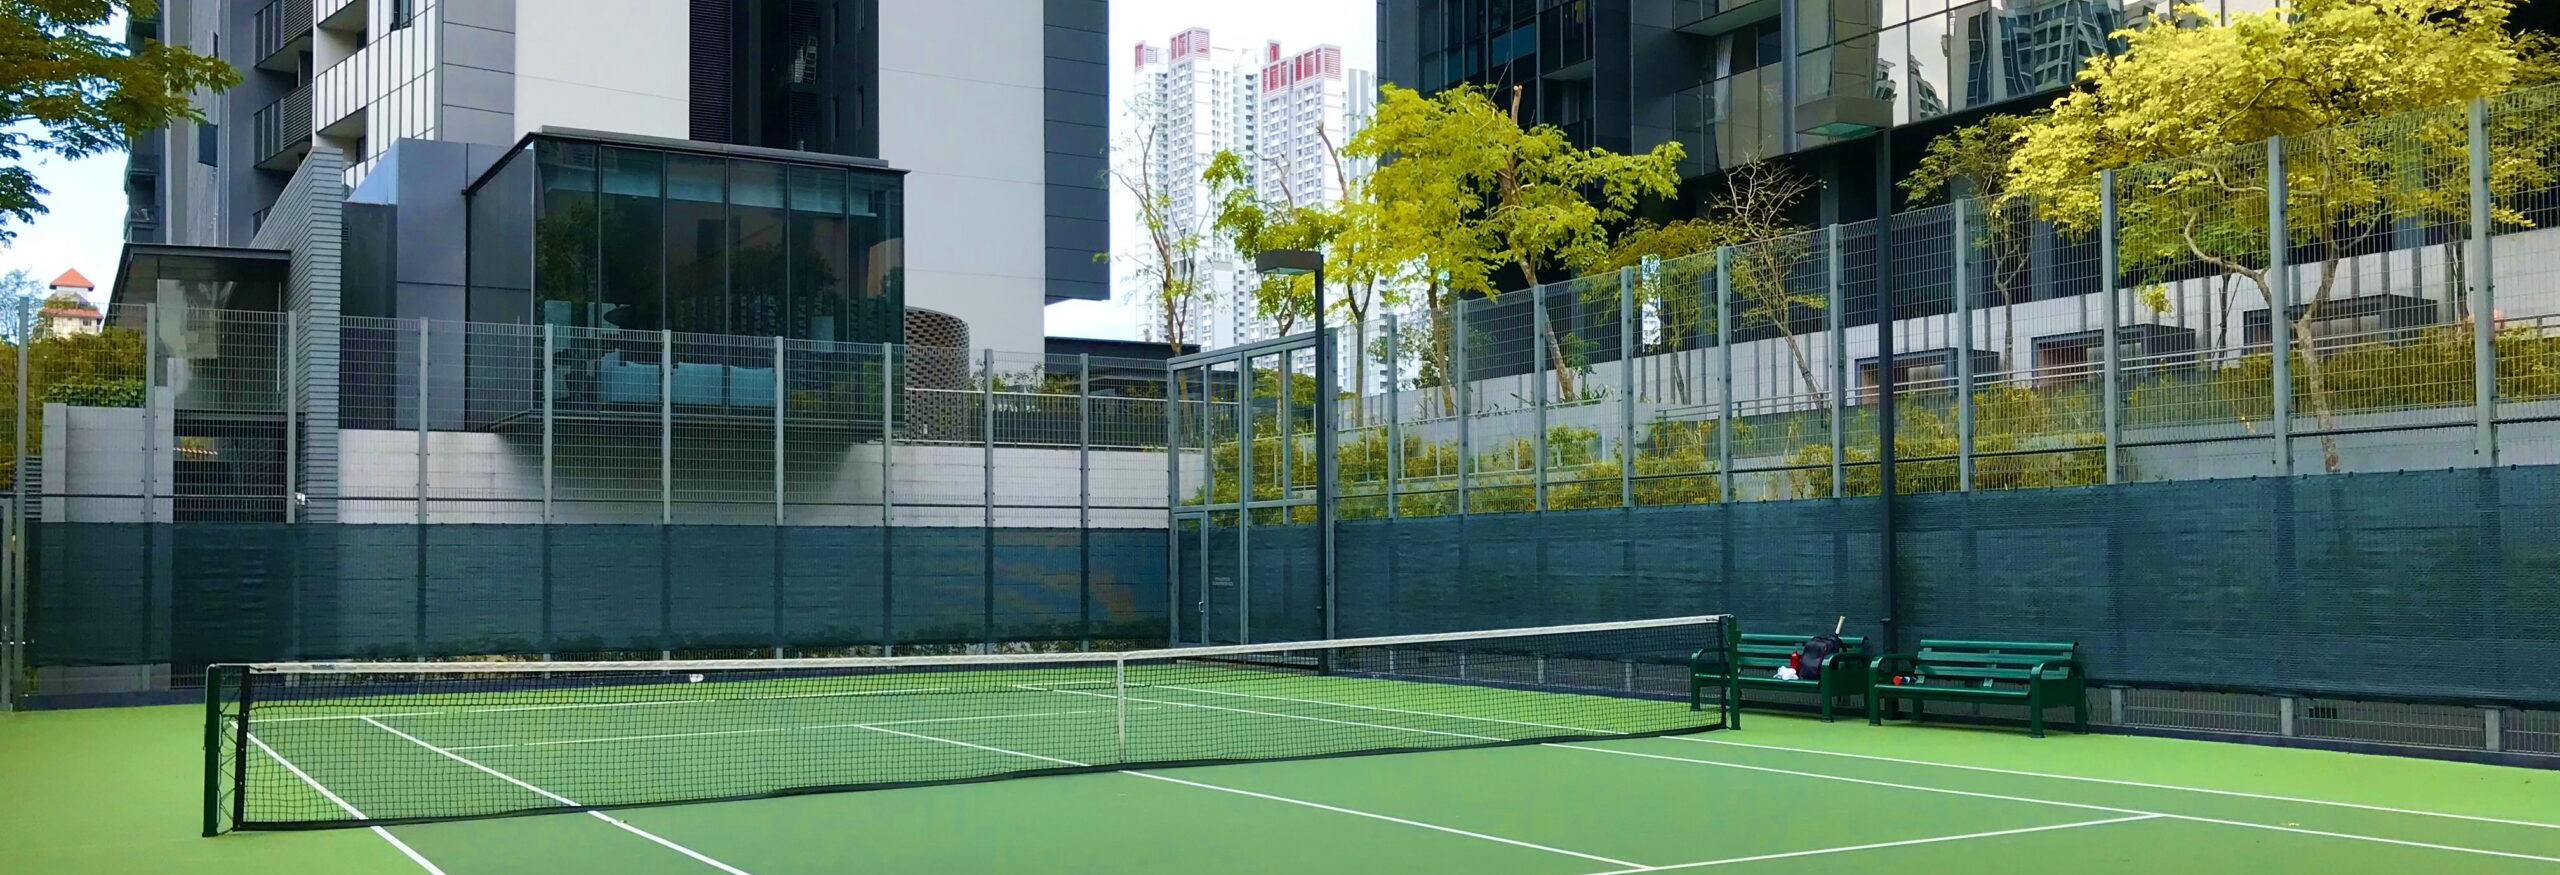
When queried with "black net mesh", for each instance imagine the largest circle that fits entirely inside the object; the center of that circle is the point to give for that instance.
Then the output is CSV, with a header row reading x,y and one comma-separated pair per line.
x,y
332,745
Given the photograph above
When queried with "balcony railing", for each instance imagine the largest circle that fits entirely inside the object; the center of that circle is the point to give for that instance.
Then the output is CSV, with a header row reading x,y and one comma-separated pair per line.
x,y
281,26
283,130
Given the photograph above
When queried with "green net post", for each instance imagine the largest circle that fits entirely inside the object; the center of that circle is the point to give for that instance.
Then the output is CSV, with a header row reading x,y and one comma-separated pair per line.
x,y
213,746
1731,633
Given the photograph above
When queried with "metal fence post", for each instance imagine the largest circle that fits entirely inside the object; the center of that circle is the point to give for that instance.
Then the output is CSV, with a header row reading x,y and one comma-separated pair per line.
x,y
151,412
1724,373
1173,504
666,428
1626,387
1466,406
2484,307
550,402
2112,394
987,480
1395,412
1538,394
284,402
781,402
2280,312
1244,505
425,396
1327,433
1084,500
1960,284
888,494
1839,328
13,627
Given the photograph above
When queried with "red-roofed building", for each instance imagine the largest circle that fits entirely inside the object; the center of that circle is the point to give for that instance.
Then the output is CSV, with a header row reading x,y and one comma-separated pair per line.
x,y
67,310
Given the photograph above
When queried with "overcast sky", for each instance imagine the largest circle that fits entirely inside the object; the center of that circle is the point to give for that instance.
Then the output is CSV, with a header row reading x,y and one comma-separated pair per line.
x,y
1297,24
85,229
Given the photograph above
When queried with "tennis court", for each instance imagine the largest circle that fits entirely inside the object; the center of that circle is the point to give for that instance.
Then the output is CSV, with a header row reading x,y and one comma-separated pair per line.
x,y
1638,783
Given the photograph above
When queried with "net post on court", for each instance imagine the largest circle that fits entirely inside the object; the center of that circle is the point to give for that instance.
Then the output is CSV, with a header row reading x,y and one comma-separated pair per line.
x,y
373,743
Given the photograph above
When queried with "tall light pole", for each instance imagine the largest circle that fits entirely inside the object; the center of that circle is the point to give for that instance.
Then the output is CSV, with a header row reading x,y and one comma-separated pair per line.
x,y
1292,262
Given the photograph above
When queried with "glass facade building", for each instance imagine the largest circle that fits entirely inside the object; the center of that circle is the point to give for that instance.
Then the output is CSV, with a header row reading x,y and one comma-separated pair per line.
x,y
644,235
1739,81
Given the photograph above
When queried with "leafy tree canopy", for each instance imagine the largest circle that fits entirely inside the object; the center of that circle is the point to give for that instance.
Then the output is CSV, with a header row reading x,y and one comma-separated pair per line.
x,y
67,91
2180,90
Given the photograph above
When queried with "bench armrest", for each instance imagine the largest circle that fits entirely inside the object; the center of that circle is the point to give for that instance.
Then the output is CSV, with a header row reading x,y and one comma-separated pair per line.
x,y
1705,656
1842,661
2036,673
1876,669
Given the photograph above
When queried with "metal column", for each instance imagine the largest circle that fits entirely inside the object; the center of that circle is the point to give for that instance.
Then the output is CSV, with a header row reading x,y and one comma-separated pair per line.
x,y
1457,377
284,401
1084,500
1173,504
1244,508
1328,386
1724,375
1395,413
13,627
780,402
987,513
1959,278
2112,394
1839,358
424,383
1626,387
2280,314
151,412
550,354
666,428
2484,298
888,495
1538,395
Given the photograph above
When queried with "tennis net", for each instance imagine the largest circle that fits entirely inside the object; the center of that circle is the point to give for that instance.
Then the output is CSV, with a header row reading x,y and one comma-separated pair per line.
x,y
307,745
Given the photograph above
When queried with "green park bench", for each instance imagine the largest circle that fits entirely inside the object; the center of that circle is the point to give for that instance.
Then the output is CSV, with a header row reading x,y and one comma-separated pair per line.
x,y
1758,657
2037,674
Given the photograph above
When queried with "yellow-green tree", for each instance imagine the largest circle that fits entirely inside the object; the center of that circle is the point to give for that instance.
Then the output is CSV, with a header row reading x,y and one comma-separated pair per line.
x,y
70,92
2324,74
1466,191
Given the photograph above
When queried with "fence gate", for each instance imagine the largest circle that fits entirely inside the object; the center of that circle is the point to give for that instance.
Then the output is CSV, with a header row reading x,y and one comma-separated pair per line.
x,y
1247,546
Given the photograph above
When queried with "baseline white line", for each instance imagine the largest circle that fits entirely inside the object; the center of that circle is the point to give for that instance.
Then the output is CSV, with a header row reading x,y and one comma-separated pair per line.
x,y
2028,799
1284,799
773,729
564,800
1879,845
405,850
2142,784
1277,714
580,706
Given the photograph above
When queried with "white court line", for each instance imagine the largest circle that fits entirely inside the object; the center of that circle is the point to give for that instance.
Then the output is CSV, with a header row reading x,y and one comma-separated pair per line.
x,y
2127,811
772,729
2141,784
1271,714
1878,845
564,800
2028,799
1970,768
593,705
411,853
1316,805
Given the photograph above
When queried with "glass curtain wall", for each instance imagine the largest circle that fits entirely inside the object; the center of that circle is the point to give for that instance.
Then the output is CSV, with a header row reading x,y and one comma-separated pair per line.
x,y
642,239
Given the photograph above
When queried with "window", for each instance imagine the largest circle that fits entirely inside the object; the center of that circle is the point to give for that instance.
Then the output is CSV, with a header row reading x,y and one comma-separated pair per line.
x,y
209,144
401,12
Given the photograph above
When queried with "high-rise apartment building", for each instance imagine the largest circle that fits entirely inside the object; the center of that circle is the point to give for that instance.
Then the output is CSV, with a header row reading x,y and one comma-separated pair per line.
x,y
1285,115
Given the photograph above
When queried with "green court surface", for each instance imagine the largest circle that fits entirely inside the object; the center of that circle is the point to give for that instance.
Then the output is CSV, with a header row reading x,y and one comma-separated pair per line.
x,y
117,790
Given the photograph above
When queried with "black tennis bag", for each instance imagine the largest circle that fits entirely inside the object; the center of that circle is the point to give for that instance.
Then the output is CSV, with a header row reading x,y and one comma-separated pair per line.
x,y
1817,650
